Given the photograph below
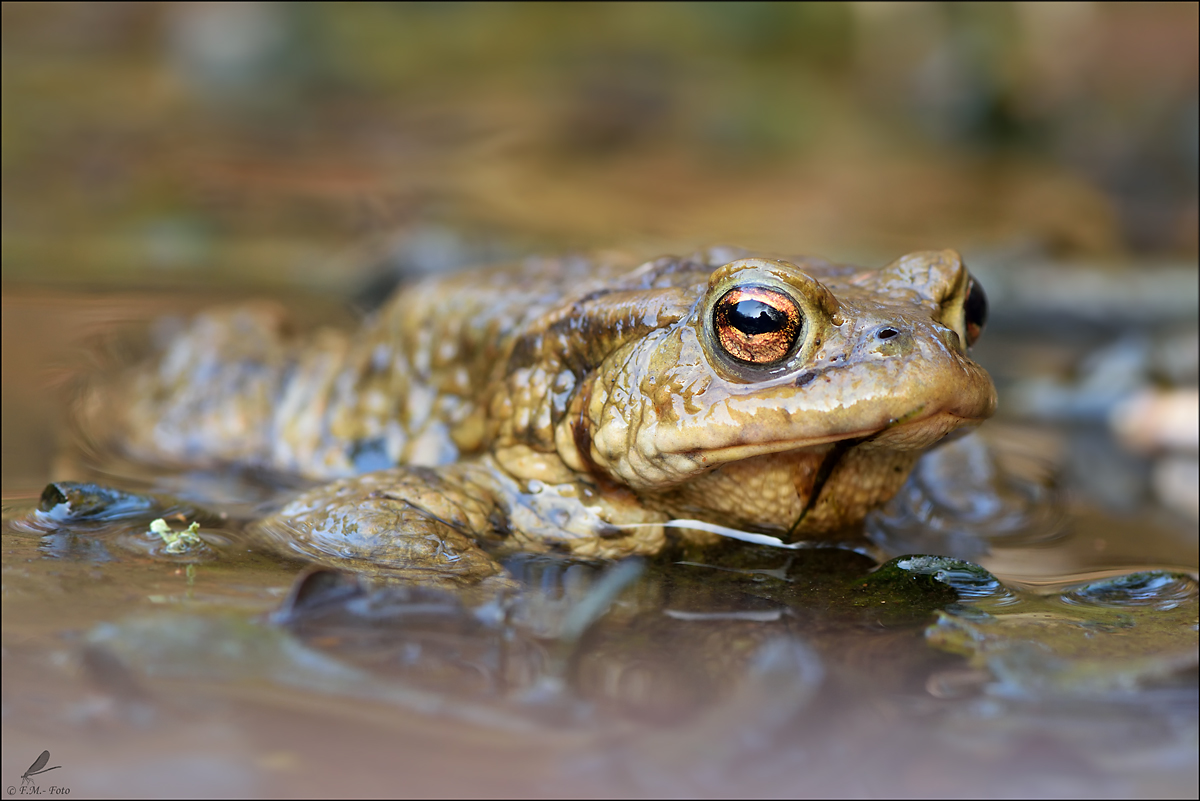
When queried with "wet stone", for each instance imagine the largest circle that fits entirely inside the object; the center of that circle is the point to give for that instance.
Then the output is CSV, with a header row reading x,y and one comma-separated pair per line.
x,y
71,500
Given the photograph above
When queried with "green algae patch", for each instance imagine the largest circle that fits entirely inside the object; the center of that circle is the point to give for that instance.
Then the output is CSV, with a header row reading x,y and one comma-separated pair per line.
x,y
896,593
920,579
1117,634
177,542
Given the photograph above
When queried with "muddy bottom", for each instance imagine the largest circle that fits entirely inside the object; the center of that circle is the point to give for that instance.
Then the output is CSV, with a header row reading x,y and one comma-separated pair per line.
x,y
1056,665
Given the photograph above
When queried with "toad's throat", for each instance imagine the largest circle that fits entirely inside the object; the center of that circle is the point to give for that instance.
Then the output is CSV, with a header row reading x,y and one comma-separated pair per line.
x,y
828,464
795,494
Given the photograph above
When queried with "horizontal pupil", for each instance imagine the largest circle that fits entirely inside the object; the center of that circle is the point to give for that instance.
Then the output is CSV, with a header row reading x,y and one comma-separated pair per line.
x,y
753,317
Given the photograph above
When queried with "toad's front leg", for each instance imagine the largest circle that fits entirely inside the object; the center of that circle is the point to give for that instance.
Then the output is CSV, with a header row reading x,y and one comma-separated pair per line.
x,y
410,522
428,524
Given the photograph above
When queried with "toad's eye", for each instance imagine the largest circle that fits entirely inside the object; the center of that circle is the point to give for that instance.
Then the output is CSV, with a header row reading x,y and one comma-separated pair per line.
x,y
975,312
756,324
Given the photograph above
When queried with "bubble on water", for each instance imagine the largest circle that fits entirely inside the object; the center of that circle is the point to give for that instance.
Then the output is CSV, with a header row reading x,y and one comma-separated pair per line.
x,y
1159,589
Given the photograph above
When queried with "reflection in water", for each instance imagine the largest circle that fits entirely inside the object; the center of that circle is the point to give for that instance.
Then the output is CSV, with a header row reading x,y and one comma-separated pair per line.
x,y
961,499
1115,634
698,680
67,545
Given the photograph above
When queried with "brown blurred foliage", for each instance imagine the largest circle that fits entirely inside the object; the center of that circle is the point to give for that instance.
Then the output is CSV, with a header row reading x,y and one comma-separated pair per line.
x,y
259,143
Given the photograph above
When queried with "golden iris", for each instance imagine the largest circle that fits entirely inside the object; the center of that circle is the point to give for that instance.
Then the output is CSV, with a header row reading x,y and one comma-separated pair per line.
x,y
757,324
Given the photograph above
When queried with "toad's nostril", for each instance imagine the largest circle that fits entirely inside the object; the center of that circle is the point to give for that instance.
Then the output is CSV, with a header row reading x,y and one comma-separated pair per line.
x,y
888,341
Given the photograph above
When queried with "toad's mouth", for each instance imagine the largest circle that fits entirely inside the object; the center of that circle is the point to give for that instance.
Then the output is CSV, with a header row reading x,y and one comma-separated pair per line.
x,y
914,431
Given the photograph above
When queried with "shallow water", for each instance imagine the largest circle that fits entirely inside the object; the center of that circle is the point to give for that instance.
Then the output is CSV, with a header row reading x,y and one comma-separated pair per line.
x,y
1064,666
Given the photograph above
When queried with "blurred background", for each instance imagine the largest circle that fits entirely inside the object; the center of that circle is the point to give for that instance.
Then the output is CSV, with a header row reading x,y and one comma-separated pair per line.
x,y
314,144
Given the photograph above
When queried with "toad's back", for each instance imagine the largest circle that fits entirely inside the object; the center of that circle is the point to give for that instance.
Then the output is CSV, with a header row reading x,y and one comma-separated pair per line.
x,y
413,386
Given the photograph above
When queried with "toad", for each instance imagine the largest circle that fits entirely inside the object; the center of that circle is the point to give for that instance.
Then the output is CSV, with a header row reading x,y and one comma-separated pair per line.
x,y
574,405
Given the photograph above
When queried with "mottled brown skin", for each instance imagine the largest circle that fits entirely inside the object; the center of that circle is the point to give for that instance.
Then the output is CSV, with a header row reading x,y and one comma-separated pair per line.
x,y
572,404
